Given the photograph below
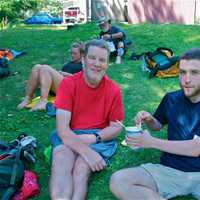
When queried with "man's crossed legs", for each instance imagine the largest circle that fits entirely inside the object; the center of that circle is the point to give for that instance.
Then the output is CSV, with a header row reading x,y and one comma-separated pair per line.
x,y
70,174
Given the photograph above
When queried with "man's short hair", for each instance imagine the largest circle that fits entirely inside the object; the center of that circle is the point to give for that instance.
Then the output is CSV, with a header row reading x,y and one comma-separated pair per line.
x,y
191,54
97,43
80,46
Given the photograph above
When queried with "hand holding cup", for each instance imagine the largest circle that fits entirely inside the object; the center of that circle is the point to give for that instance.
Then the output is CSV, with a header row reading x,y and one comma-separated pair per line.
x,y
132,132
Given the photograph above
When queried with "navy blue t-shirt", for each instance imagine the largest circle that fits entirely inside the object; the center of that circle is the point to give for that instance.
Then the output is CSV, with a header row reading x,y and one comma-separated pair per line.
x,y
183,119
113,30
72,67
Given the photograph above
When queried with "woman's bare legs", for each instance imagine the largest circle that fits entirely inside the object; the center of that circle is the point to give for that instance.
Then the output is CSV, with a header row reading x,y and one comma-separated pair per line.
x,y
49,79
32,84
45,77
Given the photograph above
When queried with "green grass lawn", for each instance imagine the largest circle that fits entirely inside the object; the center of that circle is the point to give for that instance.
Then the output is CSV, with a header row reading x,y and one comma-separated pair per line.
x,y
47,45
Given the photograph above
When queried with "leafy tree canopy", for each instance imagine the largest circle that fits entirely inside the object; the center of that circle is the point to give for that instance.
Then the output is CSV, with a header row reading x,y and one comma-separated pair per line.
x,y
13,9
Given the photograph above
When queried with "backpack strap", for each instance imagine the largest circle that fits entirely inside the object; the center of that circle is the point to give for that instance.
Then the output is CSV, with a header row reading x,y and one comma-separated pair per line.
x,y
159,51
165,49
16,165
9,192
3,145
12,188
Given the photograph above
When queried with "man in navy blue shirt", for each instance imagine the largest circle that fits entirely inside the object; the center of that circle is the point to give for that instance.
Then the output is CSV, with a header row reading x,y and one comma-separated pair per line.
x,y
179,170
114,36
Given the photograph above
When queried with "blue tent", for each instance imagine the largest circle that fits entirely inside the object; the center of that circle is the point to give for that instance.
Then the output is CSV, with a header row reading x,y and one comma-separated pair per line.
x,y
43,18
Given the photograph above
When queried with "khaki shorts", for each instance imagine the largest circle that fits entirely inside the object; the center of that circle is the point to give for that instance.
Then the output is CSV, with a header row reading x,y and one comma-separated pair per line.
x,y
171,182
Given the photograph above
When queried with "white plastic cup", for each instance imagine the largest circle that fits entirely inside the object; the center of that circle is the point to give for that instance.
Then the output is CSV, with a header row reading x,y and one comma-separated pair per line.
x,y
132,131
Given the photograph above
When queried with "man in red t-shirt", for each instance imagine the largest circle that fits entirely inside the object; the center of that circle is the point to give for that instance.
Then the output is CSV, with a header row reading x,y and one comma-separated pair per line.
x,y
88,107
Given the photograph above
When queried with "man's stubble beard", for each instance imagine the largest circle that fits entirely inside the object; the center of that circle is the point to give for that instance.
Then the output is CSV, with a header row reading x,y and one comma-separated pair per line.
x,y
93,77
195,92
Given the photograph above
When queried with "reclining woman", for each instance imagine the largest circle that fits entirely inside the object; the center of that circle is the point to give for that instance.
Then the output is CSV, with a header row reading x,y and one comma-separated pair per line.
x,y
48,79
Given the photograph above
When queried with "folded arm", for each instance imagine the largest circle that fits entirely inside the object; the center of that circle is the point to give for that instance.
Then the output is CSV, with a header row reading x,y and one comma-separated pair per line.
x,y
73,141
112,36
110,132
117,35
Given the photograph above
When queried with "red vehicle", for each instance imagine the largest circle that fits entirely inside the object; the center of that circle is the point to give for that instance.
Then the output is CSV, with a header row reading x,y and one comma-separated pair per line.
x,y
72,15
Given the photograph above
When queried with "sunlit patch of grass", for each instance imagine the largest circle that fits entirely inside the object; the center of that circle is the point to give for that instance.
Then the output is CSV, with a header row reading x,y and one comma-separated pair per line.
x,y
192,39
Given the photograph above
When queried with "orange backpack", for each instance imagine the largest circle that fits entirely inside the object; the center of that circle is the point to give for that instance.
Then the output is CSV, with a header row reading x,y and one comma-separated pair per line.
x,y
6,53
162,63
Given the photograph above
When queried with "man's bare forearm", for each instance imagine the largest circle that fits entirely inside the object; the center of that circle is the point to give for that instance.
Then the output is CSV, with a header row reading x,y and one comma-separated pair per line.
x,y
186,147
70,139
110,132
117,35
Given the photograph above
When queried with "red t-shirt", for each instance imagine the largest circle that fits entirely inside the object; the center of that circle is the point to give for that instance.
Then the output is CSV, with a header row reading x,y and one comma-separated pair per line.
x,y
89,107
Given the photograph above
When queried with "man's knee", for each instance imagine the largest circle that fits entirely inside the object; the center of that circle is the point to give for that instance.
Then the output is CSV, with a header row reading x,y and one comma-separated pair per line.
x,y
45,69
59,152
41,68
116,180
62,157
120,45
128,176
62,164
132,176
37,67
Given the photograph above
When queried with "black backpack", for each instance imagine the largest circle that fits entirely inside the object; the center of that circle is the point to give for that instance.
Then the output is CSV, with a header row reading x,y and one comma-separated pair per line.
x,y
13,161
4,67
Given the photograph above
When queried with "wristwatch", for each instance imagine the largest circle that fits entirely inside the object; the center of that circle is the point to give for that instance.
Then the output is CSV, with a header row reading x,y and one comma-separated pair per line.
x,y
98,138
